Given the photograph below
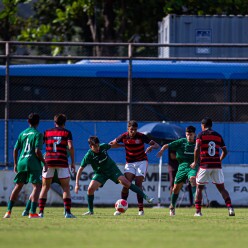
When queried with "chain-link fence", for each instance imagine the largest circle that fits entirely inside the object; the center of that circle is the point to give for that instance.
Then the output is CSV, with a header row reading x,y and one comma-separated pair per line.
x,y
126,81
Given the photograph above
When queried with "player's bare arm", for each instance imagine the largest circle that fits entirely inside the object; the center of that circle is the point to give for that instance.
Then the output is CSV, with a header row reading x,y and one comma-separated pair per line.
x,y
160,153
72,155
153,145
196,155
15,156
79,173
41,158
224,153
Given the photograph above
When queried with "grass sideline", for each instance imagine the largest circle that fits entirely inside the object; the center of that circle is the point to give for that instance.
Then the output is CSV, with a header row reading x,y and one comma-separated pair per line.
x,y
155,229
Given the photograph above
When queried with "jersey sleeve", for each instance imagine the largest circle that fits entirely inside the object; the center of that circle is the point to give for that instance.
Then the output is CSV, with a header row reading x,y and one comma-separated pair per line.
x,y
145,138
119,139
18,143
86,160
105,146
69,135
175,144
39,141
199,138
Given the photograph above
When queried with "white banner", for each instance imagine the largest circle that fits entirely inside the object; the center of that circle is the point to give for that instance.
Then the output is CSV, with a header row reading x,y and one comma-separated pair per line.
x,y
236,182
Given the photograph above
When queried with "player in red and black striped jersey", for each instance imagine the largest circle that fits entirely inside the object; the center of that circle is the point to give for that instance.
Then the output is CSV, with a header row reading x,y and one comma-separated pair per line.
x,y
208,146
58,142
136,158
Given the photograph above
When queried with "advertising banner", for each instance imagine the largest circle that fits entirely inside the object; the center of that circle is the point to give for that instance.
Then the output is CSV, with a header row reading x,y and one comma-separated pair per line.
x,y
236,182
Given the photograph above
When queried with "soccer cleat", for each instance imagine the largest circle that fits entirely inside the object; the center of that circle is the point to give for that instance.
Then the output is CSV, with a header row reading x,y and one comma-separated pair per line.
x,y
88,213
141,212
68,216
25,213
149,199
198,214
117,213
172,212
231,211
41,215
35,215
7,215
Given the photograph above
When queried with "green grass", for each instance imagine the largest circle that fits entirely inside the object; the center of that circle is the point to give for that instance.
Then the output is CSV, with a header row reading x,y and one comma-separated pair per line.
x,y
155,229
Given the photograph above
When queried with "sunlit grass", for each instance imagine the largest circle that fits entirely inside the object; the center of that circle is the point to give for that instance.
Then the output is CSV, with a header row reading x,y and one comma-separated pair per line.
x,y
155,229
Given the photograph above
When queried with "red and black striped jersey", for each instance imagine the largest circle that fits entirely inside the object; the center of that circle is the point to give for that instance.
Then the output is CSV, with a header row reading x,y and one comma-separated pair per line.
x,y
135,148
56,140
210,143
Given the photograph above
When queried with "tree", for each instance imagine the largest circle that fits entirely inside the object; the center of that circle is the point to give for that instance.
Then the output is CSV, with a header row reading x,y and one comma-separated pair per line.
x,y
10,22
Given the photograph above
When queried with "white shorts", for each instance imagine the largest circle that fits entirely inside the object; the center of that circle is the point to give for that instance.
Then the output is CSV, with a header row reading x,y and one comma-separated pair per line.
x,y
204,175
62,173
137,168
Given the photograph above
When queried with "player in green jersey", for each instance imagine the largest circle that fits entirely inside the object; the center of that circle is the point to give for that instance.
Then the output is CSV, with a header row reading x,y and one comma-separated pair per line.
x,y
185,155
104,168
28,167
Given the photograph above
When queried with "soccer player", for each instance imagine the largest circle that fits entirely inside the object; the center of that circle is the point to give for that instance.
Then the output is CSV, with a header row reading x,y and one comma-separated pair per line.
x,y
136,159
208,145
104,168
57,141
28,167
184,148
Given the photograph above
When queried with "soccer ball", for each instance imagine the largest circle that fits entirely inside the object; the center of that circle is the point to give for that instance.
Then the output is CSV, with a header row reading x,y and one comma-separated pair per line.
x,y
121,206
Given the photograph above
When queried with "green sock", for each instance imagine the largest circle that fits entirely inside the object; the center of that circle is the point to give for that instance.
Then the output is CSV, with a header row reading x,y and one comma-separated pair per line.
x,y
10,205
33,207
174,199
137,190
28,205
90,202
193,192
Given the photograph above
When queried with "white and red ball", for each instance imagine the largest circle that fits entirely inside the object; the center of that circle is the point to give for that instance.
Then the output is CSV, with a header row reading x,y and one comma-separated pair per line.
x,y
121,206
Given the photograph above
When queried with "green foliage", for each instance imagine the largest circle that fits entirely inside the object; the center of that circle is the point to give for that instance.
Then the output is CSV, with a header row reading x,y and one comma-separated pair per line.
x,y
206,7
155,229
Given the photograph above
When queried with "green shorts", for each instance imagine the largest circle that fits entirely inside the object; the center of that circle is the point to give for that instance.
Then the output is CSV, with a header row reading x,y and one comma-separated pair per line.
x,y
25,177
113,174
184,173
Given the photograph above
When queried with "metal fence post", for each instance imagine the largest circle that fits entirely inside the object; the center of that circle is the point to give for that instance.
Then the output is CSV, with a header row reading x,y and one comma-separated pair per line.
x,y
6,110
129,84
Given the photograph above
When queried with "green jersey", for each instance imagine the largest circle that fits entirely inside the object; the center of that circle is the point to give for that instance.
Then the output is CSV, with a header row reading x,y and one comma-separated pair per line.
x,y
100,162
184,150
27,142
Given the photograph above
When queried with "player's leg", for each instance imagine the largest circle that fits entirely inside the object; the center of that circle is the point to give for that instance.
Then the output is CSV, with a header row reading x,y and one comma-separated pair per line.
x,y
134,188
20,179
64,179
27,207
174,196
218,180
180,179
138,182
129,173
46,184
125,191
13,197
141,169
34,177
34,197
202,178
93,186
192,180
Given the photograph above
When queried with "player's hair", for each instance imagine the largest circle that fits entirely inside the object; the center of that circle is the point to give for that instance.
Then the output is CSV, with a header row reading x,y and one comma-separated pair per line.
x,y
93,140
190,129
60,119
207,122
33,119
132,123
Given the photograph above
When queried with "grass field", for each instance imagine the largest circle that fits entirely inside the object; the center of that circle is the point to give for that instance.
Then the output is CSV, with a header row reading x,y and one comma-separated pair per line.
x,y
155,229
